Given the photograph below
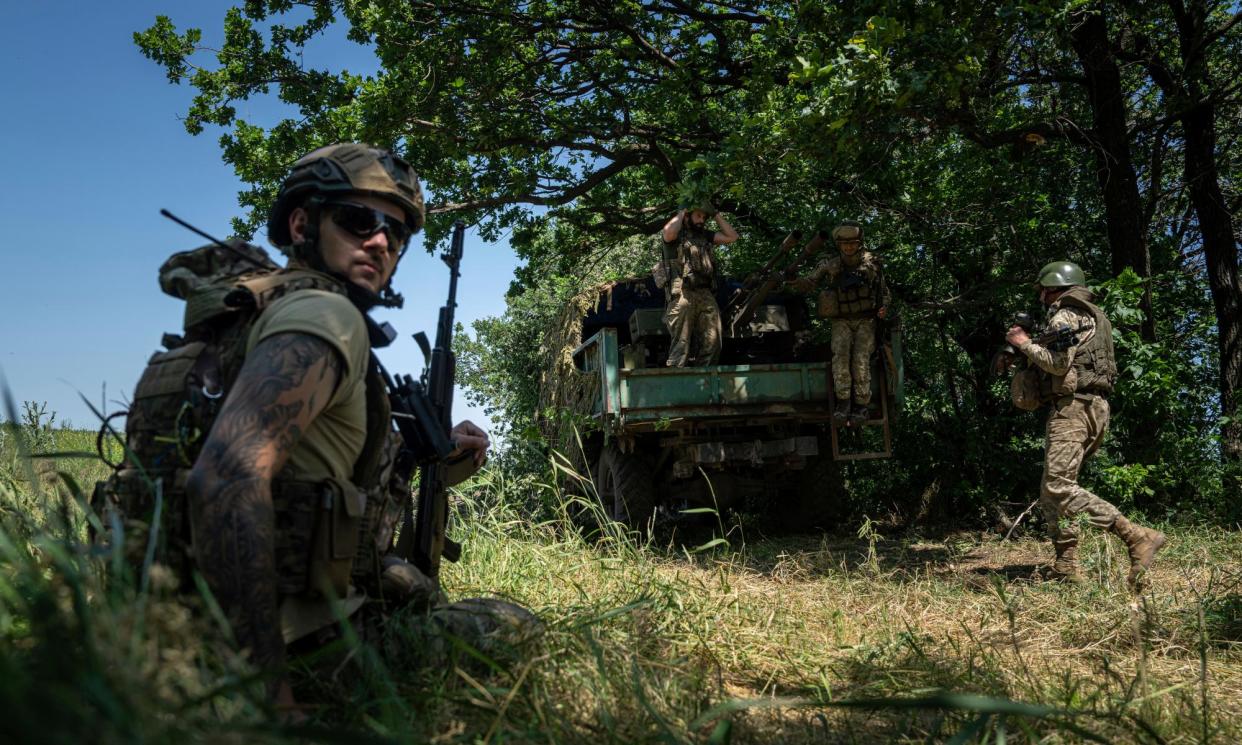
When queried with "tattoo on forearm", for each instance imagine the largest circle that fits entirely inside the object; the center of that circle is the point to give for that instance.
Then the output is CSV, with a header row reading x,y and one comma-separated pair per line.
x,y
285,382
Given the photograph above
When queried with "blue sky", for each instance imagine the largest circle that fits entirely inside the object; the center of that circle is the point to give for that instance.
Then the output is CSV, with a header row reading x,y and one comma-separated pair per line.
x,y
95,148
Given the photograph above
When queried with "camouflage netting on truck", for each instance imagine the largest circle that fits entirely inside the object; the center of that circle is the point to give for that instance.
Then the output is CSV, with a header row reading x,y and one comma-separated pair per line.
x,y
567,395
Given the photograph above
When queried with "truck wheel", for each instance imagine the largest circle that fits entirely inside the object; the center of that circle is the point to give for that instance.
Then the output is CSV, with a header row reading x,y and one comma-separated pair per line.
x,y
625,486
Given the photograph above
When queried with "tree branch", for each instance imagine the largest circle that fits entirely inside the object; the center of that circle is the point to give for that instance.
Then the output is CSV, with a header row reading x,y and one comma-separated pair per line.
x,y
624,161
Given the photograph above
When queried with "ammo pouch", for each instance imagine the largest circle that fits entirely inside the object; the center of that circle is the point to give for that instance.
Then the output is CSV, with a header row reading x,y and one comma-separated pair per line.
x,y
826,305
855,298
126,502
1032,387
1065,385
317,533
1025,387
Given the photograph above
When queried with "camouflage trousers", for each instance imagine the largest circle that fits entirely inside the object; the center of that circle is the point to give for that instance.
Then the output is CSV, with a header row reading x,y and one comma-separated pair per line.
x,y
1075,429
474,634
447,634
853,341
693,320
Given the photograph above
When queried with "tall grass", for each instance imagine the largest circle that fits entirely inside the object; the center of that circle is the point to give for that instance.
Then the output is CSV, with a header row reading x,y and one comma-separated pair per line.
x,y
861,637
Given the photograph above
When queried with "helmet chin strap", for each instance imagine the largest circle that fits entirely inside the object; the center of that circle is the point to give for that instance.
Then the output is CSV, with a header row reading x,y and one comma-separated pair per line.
x,y
308,253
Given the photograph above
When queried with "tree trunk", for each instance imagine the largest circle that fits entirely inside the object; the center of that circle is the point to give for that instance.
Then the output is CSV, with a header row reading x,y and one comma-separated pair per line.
x,y
1220,249
1220,253
1123,209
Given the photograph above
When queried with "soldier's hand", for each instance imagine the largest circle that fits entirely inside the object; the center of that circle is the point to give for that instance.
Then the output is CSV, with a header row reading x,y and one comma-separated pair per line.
x,y
881,313
1017,336
469,436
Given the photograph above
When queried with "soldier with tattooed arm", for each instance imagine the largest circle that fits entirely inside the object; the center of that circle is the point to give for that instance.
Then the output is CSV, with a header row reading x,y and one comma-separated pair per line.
x,y
288,510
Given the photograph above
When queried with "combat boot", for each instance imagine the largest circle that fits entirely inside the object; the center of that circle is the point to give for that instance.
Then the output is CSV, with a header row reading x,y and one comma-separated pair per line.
x,y
841,413
859,414
1065,566
1142,543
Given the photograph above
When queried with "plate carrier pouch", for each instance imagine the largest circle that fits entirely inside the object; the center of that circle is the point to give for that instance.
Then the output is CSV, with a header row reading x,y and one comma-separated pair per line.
x,y
1095,364
1025,390
328,532
691,258
853,293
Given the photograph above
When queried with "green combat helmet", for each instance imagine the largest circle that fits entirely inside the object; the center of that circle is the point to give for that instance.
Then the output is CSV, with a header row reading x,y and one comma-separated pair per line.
x,y
338,171
847,231
1061,274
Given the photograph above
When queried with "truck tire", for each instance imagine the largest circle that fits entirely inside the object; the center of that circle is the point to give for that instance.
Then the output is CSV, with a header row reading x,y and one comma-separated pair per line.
x,y
626,487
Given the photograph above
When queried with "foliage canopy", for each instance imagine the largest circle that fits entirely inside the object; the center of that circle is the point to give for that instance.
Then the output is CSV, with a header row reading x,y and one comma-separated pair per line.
x,y
977,141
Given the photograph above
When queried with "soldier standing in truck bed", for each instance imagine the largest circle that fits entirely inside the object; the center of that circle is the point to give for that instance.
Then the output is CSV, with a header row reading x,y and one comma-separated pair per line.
x,y
691,313
852,295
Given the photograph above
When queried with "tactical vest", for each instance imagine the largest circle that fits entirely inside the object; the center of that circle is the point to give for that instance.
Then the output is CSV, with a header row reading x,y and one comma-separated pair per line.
x,y
853,293
1094,363
1094,369
328,533
692,257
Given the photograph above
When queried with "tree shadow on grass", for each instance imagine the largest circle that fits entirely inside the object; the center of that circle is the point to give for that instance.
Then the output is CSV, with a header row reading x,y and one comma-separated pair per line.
x,y
823,553
902,690
985,577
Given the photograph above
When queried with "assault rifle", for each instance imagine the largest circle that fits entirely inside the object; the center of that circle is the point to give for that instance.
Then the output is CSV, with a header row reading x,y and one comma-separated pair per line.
x,y
1057,339
423,412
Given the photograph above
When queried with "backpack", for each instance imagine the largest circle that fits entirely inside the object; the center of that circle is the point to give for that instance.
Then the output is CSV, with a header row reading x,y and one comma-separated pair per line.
x,y
143,505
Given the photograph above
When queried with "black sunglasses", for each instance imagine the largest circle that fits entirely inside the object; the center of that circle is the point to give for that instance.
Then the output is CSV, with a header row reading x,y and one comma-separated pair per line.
x,y
363,221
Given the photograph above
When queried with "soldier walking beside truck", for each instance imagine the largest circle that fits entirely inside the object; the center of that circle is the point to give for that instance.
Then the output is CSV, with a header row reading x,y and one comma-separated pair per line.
x,y
688,260
1071,368
852,295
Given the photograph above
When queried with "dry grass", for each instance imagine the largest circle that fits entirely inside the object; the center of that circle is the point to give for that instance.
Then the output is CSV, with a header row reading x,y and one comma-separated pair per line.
x,y
823,621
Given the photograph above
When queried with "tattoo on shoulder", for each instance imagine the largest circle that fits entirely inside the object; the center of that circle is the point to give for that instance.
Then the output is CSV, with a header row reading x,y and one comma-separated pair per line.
x,y
286,380
284,383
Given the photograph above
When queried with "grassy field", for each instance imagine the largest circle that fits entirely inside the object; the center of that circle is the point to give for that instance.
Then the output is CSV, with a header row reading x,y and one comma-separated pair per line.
x,y
860,637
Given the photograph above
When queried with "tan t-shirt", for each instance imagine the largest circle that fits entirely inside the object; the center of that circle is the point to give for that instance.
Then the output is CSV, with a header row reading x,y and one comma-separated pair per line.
x,y
334,440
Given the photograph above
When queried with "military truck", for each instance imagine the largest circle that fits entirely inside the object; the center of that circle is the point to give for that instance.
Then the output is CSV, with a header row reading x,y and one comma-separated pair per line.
x,y
755,431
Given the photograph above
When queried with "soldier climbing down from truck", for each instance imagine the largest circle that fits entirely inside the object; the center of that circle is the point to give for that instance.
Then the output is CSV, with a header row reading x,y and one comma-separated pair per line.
x,y
852,296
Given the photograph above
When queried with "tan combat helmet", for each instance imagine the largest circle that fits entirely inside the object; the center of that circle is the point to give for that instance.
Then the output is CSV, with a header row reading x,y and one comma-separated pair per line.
x,y
847,231
341,169
337,171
